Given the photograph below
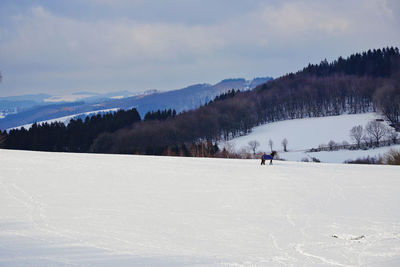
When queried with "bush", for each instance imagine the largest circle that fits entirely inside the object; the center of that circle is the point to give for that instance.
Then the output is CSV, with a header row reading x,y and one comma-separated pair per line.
x,y
315,160
392,157
365,160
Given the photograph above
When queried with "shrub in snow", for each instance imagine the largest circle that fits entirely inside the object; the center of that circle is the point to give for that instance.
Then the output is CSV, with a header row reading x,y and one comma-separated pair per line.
x,y
392,157
315,159
365,160
244,153
332,145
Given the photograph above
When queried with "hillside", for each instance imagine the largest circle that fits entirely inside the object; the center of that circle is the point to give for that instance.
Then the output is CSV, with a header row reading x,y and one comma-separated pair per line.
x,y
45,107
61,209
361,83
304,134
67,119
327,89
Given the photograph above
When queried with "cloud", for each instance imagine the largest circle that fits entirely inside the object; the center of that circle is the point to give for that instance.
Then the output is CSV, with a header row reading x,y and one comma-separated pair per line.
x,y
43,38
298,18
41,48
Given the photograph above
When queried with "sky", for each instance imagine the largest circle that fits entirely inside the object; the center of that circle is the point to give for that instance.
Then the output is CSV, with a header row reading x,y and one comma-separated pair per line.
x,y
62,47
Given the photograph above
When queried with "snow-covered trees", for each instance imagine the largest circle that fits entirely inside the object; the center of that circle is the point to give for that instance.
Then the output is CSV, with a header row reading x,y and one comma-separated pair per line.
x,y
356,134
376,130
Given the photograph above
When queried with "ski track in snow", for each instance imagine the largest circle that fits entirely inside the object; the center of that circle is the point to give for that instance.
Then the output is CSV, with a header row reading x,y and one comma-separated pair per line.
x,y
63,209
324,260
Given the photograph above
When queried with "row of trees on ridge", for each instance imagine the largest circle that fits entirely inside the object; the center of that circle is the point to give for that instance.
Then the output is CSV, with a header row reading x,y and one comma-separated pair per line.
x,y
312,92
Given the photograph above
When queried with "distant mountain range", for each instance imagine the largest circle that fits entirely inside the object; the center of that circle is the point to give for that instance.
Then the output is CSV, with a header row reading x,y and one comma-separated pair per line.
x,y
21,110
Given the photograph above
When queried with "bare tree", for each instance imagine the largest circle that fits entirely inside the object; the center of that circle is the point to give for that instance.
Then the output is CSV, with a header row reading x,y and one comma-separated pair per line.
x,y
284,144
229,147
331,144
253,145
357,134
393,135
376,130
271,144
367,140
387,99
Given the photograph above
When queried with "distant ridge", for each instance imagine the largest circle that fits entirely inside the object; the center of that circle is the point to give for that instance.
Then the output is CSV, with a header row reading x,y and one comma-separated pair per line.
x,y
41,107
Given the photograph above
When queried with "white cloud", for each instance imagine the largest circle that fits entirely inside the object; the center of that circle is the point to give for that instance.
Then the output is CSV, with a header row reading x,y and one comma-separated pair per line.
x,y
139,54
66,41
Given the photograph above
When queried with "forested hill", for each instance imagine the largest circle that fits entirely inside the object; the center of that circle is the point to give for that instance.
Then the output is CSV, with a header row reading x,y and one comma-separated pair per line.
x,y
360,83
373,63
351,85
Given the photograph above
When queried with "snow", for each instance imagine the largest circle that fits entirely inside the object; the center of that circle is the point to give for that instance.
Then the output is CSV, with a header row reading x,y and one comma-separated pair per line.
x,y
117,97
304,134
60,209
67,119
338,156
67,98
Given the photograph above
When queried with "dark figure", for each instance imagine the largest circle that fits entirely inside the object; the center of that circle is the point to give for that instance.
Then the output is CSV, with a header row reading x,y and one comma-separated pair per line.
x,y
263,159
266,157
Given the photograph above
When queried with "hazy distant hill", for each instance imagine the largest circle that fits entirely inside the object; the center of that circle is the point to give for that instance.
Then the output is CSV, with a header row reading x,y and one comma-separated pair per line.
x,y
361,83
46,107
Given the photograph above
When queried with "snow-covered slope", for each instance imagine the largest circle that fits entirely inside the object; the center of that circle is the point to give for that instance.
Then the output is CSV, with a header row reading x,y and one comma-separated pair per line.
x,y
117,210
303,134
19,111
67,119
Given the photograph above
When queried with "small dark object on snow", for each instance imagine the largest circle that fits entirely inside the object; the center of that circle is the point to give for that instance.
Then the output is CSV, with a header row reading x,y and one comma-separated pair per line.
x,y
358,237
268,157
263,159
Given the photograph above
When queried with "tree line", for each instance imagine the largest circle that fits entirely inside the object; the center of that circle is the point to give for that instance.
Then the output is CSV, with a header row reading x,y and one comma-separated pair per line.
x,y
300,95
77,136
160,114
375,63
304,94
291,98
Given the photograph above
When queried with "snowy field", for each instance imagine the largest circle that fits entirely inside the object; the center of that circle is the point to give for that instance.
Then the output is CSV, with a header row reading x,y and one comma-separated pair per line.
x,y
303,134
59,209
